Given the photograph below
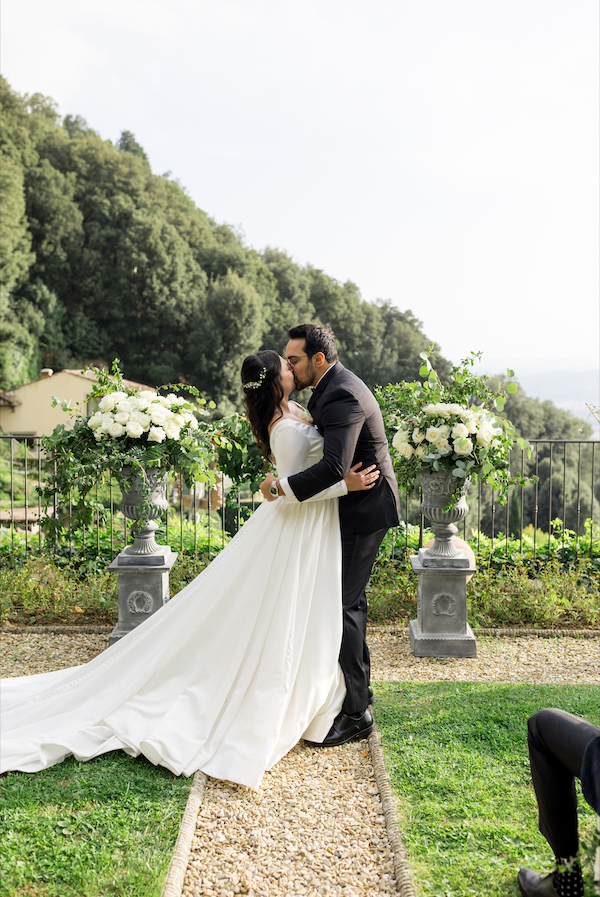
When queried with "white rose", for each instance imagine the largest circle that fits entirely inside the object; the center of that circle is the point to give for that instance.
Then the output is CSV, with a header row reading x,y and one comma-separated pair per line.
x,y
158,414
420,452
463,447
432,434
134,429
116,429
179,419
460,431
471,425
406,450
485,435
156,434
456,409
119,397
125,405
171,398
193,423
163,400
431,410
442,410
172,430
141,418
400,438
95,421
146,398
180,400
122,417
98,434
107,422
444,430
107,403
443,446
417,436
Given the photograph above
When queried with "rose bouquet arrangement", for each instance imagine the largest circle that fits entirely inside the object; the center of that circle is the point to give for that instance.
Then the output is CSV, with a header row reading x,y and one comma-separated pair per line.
x,y
133,434
453,426
140,414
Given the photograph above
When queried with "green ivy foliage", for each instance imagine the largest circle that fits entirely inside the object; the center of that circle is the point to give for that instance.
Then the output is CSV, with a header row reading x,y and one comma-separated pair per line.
x,y
76,462
405,404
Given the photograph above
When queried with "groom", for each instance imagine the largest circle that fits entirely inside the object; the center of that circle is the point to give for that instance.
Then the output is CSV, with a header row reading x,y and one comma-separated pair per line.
x,y
349,419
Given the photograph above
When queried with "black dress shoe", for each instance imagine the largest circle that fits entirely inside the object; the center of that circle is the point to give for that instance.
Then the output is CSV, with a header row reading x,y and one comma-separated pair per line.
x,y
345,729
532,884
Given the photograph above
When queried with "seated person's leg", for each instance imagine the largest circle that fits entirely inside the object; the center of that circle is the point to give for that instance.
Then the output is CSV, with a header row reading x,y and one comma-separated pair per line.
x,y
557,742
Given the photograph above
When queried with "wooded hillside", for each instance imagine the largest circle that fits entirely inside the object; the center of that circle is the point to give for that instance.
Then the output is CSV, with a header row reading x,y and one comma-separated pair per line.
x,y
101,258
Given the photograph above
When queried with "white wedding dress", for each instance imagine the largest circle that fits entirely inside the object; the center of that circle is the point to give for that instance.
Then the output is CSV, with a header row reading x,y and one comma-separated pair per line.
x,y
227,676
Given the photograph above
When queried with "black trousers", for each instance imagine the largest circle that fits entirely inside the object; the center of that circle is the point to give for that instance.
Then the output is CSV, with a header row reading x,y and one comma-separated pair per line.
x,y
557,742
359,551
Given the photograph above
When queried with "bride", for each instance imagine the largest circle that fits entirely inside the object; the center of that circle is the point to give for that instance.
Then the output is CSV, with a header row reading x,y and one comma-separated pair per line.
x,y
236,668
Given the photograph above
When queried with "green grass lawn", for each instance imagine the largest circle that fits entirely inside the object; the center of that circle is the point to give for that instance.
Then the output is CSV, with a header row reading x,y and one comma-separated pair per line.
x,y
457,757
106,827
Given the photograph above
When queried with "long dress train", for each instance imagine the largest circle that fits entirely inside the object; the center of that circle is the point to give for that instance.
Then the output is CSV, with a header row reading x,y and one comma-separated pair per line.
x,y
228,675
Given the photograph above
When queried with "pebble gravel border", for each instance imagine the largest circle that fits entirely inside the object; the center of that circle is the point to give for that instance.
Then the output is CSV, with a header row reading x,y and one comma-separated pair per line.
x,y
181,854
506,632
404,882
388,629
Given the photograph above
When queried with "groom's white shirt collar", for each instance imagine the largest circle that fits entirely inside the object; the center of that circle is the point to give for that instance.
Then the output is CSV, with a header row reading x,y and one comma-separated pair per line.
x,y
324,374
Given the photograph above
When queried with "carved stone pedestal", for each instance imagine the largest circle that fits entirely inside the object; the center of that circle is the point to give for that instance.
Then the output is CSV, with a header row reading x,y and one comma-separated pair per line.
x,y
143,588
441,628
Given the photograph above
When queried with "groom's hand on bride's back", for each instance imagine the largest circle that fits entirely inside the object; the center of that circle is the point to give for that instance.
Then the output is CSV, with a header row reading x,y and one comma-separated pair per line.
x,y
360,480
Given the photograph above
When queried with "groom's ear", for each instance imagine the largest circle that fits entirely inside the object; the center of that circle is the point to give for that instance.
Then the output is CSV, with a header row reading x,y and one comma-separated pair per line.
x,y
319,359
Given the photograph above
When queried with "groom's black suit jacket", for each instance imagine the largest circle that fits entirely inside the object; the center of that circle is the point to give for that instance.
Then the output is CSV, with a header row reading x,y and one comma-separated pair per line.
x,y
349,419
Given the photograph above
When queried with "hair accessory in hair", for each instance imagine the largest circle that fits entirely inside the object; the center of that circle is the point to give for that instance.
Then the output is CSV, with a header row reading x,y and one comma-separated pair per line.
x,y
256,384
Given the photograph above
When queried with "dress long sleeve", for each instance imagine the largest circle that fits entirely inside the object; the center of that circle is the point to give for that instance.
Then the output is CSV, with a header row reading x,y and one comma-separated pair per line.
x,y
290,442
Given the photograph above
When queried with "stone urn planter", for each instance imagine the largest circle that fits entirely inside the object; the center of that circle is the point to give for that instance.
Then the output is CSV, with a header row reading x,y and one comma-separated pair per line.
x,y
145,544
143,568
437,486
441,628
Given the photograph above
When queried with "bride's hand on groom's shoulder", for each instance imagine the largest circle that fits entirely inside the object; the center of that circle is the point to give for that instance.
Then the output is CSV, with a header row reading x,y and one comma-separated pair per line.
x,y
360,480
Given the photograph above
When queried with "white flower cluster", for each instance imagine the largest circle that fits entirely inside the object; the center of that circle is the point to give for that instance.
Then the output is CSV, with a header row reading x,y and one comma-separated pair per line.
x,y
428,434
160,417
306,416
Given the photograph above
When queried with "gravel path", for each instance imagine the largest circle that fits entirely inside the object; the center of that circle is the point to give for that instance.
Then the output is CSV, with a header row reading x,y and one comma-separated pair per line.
x,y
521,659
316,826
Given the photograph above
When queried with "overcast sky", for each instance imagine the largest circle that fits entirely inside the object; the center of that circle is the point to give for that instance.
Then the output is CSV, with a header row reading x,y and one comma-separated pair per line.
x,y
443,155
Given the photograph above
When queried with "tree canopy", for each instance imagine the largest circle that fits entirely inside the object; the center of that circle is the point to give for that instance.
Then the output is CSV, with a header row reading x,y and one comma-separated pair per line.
x,y
101,258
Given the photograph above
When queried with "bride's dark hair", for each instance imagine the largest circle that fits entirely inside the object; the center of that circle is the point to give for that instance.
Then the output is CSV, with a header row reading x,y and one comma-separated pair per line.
x,y
263,392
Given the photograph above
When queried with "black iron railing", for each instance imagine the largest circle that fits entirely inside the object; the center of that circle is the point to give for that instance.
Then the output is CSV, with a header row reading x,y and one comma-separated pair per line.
x,y
566,490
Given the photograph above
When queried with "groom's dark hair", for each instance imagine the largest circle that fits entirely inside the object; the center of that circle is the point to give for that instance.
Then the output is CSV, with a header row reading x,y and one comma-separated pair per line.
x,y
316,339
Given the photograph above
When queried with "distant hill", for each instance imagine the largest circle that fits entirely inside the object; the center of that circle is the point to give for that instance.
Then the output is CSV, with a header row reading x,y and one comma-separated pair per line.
x,y
570,390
